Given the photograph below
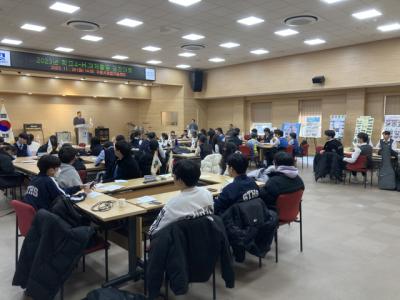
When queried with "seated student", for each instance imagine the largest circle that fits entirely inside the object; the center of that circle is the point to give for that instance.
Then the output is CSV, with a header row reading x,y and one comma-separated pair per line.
x,y
204,148
387,140
243,188
295,143
68,176
126,166
234,138
164,140
9,177
252,144
192,202
33,146
149,161
95,146
184,135
203,132
119,138
108,155
194,140
332,144
220,134
173,140
50,147
227,150
254,131
135,139
279,141
22,145
361,148
284,179
44,189
214,141
268,135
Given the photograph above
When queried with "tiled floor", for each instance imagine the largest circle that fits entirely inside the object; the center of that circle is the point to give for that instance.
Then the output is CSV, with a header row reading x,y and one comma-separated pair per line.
x,y
351,250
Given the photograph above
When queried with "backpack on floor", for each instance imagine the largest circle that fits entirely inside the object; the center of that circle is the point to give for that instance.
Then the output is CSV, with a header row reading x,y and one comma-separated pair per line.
x,y
112,294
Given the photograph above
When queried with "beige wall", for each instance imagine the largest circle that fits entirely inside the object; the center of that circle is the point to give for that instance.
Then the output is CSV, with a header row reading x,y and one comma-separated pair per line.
x,y
372,64
56,113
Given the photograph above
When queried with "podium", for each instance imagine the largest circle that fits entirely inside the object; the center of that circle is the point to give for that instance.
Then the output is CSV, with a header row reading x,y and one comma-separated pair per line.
x,y
82,133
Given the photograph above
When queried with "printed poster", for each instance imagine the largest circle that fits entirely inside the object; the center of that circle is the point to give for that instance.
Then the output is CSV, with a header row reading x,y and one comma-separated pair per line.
x,y
392,124
5,126
364,124
311,128
288,128
260,127
337,123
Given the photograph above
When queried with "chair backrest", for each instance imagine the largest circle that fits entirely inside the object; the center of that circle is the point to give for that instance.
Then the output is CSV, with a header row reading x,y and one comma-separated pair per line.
x,y
288,206
83,175
318,149
304,149
246,151
360,163
247,137
25,214
289,149
83,145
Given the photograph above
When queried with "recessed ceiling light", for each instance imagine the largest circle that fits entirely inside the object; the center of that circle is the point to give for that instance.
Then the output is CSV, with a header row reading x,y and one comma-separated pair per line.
x,y
126,82
185,3
389,27
229,45
314,42
33,27
105,81
64,49
83,78
193,37
11,41
67,8
56,77
154,62
183,66
92,38
259,51
250,21
332,1
286,32
187,54
151,48
216,60
129,22
366,14
120,57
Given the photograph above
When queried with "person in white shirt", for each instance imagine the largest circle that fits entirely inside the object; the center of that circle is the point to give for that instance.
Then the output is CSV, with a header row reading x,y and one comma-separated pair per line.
x,y
164,140
33,146
388,140
361,148
192,202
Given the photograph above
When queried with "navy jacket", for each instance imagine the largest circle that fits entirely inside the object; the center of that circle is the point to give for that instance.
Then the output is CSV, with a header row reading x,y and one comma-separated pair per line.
x,y
109,161
243,188
127,168
96,149
23,151
145,146
43,190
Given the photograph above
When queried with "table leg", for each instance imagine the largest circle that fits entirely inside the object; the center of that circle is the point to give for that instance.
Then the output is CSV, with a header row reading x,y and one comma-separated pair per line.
x,y
132,258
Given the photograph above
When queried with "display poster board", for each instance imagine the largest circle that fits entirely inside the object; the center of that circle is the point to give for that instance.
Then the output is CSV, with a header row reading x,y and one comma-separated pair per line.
x,y
364,124
337,123
392,124
261,126
288,128
311,128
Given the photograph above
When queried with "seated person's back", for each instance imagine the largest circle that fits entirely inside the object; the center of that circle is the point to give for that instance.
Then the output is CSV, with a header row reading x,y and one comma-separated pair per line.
x,y
243,188
332,144
283,180
50,147
95,146
192,201
280,142
44,189
252,144
146,158
203,148
69,176
126,166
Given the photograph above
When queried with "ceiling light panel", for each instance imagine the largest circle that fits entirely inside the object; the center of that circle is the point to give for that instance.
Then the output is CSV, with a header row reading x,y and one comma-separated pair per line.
x,y
250,21
367,14
259,51
193,37
129,22
151,48
11,41
64,7
229,45
120,57
185,3
154,62
33,27
216,60
64,49
389,27
92,38
314,42
187,54
286,32
332,1
183,66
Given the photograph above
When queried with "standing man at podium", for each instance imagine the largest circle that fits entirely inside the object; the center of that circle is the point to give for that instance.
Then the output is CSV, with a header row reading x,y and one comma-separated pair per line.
x,y
78,120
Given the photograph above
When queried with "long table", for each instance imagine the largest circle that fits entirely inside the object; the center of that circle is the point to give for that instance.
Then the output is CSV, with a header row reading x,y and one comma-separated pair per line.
x,y
161,190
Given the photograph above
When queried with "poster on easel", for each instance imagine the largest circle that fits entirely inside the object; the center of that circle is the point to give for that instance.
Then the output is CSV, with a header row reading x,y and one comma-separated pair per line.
x,y
261,126
364,124
337,123
311,128
5,126
392,124
288,128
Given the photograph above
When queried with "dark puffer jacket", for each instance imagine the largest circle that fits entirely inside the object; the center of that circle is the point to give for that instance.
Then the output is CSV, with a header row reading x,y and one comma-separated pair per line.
x,y
49,254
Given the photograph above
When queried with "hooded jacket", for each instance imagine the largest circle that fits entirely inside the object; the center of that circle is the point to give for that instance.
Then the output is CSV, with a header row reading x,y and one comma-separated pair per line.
x,y
284,180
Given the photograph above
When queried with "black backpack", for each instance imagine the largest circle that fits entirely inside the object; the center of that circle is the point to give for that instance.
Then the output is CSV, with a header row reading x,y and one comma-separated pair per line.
x,y
112,294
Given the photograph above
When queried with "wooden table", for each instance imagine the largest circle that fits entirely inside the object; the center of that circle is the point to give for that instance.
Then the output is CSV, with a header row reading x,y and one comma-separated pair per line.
x,y
186,156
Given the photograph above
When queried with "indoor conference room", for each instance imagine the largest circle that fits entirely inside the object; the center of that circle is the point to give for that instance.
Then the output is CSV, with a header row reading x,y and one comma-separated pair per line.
x,y
199,149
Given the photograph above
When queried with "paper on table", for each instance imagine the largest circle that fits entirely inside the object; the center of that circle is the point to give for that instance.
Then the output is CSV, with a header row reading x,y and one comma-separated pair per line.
x,y
110,188
94,194
120,181
146,199
29,161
